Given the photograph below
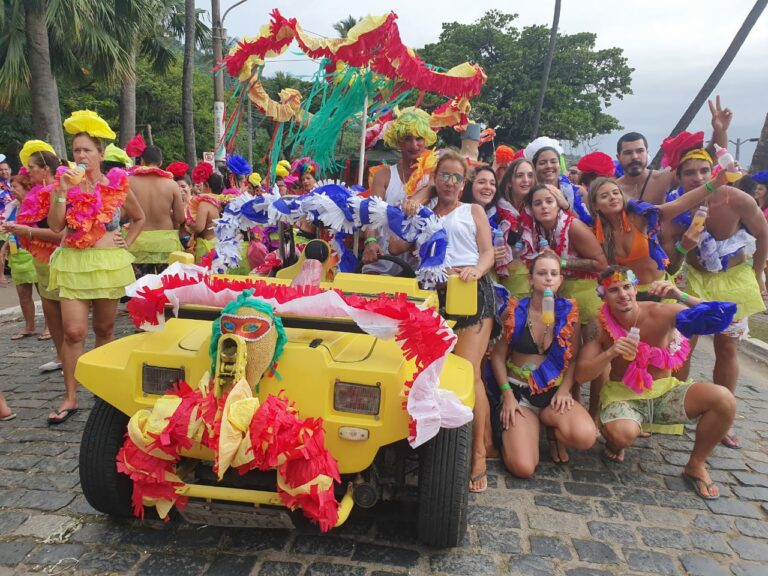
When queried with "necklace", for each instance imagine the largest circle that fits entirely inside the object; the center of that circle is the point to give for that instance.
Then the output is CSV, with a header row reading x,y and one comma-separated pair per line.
x,y
540,346
443,213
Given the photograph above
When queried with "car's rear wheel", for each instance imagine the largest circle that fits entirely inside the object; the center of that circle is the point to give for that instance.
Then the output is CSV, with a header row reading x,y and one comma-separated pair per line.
x,y
106,489
444,464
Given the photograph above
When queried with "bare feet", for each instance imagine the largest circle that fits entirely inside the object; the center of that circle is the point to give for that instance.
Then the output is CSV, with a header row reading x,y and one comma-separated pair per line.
x,y
557,451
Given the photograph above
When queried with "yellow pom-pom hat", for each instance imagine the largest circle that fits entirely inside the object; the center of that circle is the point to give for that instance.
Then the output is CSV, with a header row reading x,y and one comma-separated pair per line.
x,y
32,146
254,179
283,168
89,122
114,154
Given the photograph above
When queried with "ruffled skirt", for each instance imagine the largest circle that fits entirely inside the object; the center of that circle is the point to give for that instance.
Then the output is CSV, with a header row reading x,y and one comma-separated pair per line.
x,y
91,273
154,246
22,267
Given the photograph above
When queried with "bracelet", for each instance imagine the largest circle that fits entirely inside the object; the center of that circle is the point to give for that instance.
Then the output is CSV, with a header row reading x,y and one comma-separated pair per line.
x,y
563,262
30,232
680,248
370,240
683,297
60,200
709,187
505,386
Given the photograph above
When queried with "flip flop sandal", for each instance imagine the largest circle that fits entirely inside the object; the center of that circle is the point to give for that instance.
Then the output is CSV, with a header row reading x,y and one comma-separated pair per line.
x,y
44,337
731,441
477,478
22,335
65,414
693,482
10,416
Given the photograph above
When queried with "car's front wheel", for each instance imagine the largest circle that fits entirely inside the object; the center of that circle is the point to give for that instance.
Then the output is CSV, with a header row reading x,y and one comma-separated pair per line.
x,y
444,464
106,489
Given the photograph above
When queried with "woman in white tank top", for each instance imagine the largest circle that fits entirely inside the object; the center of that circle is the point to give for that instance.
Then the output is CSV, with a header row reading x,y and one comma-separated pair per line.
x,y
470,256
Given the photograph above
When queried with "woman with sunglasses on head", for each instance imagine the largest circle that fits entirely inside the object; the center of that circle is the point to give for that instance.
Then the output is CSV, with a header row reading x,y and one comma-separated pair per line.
x,y
533,365
470,256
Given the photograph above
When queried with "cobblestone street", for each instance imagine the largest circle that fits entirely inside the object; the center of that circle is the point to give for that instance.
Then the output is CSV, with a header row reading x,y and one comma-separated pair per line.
x,y
587,518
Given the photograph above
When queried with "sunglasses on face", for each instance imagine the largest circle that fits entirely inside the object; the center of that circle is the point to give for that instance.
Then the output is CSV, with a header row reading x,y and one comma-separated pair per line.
x,y
448,178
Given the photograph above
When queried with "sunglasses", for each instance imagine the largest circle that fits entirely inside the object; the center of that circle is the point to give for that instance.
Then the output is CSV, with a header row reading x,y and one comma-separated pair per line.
x,y
448,178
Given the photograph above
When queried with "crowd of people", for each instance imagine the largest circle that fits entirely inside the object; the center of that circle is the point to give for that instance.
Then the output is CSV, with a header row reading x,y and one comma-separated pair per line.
x,y
602,273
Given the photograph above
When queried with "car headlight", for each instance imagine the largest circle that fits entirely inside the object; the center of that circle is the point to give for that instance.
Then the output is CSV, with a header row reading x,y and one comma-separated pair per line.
x,y
159,379
356,398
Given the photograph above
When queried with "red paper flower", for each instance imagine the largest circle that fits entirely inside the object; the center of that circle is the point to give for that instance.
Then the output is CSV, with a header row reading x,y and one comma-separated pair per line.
x,y
178,169
136,146
504,155
597,163
201,173
675,146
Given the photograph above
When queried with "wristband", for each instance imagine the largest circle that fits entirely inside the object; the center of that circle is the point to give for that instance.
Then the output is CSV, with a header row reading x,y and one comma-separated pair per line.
x,y
59,200
563,262
683,297
370,240
30,232
505,386
680,248
709,187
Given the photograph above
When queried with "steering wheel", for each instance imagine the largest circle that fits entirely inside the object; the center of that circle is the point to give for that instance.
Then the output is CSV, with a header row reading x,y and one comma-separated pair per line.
x,y
406,271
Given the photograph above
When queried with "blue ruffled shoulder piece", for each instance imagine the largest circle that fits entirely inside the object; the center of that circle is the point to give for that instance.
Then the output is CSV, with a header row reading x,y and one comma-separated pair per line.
x,y
706,318
651,214
552,366
683,219
581,210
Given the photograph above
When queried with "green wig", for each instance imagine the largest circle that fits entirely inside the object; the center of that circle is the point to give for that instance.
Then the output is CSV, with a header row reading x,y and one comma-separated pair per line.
x,y
410,122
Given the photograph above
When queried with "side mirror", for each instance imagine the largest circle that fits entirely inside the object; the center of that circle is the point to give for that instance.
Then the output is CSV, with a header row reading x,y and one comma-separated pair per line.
x,y
460,297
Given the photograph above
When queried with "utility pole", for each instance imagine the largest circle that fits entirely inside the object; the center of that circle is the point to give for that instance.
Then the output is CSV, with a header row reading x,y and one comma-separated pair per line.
x,y
738,144
218,36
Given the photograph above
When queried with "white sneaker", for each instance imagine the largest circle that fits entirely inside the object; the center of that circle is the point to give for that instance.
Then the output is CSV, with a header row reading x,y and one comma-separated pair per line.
x,y
50,366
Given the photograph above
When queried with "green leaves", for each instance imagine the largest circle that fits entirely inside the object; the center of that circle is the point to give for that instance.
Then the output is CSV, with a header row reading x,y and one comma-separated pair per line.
x,y
582,81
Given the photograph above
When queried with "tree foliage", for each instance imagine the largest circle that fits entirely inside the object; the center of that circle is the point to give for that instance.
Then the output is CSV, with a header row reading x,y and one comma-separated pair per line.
x,y
582,81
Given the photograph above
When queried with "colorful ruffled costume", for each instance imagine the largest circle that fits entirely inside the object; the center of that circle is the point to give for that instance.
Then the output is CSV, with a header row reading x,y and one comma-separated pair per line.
x,y
34,213
78,270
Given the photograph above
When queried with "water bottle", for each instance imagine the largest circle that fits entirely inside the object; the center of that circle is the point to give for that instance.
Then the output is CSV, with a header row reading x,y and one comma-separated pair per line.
x,y
548,307
518,249
727,163
700,217
13,244
543,244
498,238
633,334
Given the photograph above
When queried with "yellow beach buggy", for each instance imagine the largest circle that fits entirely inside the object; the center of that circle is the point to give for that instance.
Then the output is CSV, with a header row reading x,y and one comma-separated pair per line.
x,y
351,376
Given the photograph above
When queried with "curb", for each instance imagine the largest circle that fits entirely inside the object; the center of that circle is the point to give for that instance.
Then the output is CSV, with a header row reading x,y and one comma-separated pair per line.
x,y
755,349
13,313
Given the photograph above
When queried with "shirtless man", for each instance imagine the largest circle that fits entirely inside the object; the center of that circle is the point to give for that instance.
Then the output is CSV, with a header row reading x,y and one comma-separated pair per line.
x,y
160,198
411,134
643,390
643,183
717,261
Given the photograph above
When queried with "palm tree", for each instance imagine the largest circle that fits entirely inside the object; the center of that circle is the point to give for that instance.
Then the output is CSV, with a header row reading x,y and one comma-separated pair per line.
x,y
343,27
545,73
760,157
149,27
187,104
717,73
42,41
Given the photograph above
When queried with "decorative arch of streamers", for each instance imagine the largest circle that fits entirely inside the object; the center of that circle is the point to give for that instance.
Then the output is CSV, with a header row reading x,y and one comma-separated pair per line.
x,y
370,62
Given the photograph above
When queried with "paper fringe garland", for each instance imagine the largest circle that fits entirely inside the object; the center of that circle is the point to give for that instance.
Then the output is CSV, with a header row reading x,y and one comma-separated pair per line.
x,y
342,210
242,434
422,334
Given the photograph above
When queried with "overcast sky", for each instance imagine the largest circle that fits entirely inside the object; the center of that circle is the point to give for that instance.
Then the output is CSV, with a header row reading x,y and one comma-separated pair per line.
x,y
673,45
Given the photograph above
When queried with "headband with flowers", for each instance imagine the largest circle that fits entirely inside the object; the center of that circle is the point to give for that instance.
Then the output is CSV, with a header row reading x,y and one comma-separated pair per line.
x,y
178,169
201,173
616,277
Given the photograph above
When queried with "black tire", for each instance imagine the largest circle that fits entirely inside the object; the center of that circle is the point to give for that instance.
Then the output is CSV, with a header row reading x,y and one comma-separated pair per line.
x,y
105,489
444,465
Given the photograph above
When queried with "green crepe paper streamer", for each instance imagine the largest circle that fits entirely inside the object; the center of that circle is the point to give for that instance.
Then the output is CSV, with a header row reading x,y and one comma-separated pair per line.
x,y
246,299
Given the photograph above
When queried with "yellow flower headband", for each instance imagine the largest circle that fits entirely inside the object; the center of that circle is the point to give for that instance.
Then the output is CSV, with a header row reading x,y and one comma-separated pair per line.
x,y
89,122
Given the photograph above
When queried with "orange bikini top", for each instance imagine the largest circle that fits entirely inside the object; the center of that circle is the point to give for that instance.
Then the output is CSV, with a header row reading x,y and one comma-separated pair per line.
x,y
639,249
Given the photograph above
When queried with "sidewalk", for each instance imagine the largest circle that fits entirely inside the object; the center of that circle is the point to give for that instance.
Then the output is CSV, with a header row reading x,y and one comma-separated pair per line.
x,y
588,518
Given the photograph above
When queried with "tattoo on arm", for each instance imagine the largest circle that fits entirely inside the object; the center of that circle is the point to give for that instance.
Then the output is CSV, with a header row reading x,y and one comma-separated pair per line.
x,y
585,264
591,331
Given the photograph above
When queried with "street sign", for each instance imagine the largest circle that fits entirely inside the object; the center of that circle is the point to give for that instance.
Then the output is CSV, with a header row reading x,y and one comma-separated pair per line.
x,y
208,157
